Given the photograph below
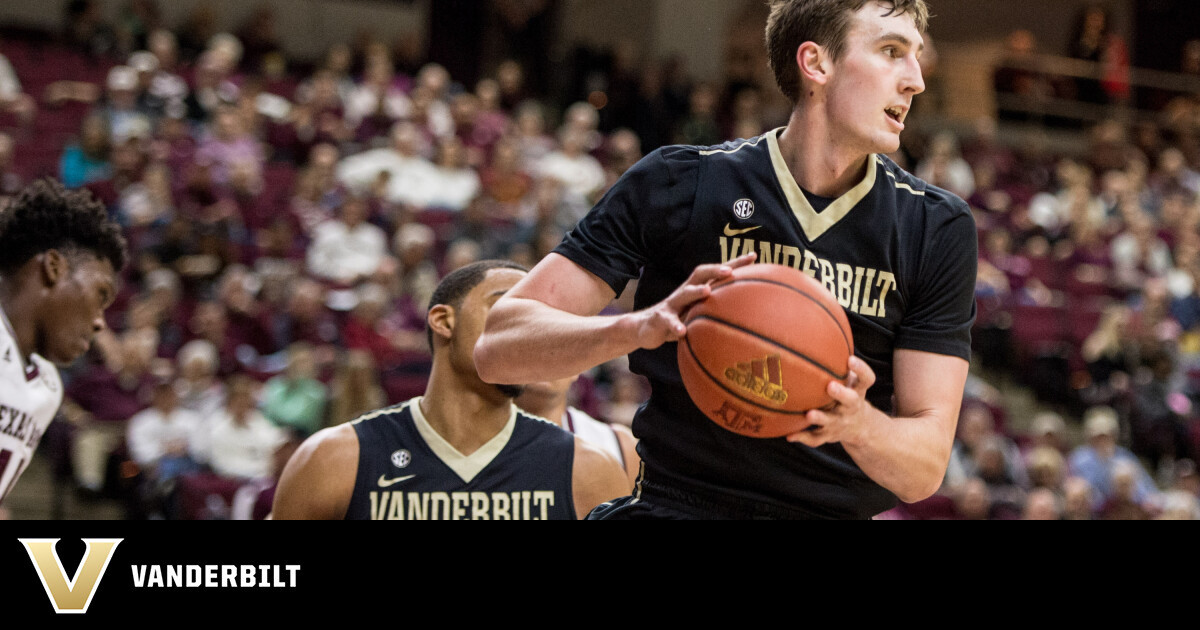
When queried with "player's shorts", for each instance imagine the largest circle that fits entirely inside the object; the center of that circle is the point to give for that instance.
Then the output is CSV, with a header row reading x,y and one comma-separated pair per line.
x,y
655,502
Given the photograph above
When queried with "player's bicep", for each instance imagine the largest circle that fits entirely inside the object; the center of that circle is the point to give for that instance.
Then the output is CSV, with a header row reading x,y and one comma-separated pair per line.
x,y
318,480
929,385
560,283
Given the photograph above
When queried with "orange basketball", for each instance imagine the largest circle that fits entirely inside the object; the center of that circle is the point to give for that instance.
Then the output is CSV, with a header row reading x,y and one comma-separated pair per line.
x,y
761,349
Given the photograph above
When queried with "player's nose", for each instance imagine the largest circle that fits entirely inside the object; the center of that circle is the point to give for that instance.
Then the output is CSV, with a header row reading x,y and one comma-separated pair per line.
x,y
98,323
912,81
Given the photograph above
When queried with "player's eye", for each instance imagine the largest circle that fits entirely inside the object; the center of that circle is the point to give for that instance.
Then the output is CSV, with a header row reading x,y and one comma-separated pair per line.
x,y
891,51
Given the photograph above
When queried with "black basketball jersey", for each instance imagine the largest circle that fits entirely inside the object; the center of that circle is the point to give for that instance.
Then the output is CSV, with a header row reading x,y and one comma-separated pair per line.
x,y
406,471
898,254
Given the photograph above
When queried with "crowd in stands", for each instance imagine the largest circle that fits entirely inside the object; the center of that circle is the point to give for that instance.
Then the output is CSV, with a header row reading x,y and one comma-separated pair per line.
x,y
289,222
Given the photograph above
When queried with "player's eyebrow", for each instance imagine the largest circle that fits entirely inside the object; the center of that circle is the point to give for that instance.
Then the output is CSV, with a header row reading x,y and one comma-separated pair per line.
x,y
897,37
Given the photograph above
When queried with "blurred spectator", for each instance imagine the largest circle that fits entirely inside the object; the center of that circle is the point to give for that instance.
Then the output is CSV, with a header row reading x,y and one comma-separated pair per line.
x,y
367,329
295,399
699,127
401,166
227,146
87,159
1096,462
1122,502
210,89
1047,468
979,446
136,20
1079,500
102,398
126,119
973,502
417,275
238,442
1179,506
10,182
86,30
160,440
1022,88
1047,430
304,317
377,102
198,387
1158,432
347,250
581,175
505,183
945,167
529,132
1094,39
452,184
355,389
12,98
1042,505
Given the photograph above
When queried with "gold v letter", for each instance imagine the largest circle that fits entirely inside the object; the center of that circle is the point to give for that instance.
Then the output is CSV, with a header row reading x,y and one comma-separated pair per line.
x,y
72,596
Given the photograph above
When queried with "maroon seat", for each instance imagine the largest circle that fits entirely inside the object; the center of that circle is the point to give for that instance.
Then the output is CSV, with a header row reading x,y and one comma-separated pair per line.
x,y
1038,329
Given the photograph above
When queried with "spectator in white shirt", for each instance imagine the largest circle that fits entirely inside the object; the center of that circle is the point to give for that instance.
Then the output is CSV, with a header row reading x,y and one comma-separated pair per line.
x,y
240,442
159,438
453,184
408,171
581,175
347,250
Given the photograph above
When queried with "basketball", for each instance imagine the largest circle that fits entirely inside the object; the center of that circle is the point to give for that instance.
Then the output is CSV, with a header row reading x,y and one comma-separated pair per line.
x,y
761,349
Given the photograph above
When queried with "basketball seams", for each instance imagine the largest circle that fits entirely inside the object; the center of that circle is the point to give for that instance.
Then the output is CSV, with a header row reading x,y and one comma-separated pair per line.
x,y
814,300
773,342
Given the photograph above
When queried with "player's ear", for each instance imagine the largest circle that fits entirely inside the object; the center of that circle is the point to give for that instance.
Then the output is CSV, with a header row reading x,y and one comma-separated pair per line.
x,y
441,321
54,266
813,62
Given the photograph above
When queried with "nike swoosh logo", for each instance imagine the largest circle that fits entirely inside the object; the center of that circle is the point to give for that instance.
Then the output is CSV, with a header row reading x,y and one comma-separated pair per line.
x,y
732,232
385,482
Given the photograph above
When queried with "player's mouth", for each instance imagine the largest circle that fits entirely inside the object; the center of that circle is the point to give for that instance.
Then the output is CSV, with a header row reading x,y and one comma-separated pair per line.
x,y
897,113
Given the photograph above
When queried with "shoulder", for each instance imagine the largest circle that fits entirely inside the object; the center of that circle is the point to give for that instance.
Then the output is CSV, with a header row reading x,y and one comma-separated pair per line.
x,y
538,425
318,481
931,198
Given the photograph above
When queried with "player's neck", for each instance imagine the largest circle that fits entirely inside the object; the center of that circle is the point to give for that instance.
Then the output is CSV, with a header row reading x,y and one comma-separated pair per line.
x,y
18,312
818,163
463,417
553,410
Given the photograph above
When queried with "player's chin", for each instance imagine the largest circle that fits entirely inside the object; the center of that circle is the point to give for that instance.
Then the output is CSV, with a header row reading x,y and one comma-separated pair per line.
x,y
887,143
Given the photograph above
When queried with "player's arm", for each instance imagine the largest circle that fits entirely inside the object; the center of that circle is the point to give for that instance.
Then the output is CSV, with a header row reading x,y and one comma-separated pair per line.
x,y
628,443
907,454
318,480
595,478
546,327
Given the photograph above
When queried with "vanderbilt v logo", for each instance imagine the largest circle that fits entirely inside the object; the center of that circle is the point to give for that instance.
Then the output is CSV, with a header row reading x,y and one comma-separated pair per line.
x,y
72,596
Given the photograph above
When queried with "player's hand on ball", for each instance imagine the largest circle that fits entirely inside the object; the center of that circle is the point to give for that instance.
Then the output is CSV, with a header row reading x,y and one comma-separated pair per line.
x,y
661,323
845,421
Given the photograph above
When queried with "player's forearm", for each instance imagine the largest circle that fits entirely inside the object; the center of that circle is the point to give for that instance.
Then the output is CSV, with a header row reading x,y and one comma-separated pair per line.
x,y
527,341
907,455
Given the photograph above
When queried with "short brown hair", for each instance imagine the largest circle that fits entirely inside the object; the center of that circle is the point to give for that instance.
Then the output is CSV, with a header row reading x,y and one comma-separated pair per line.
x,y
825,22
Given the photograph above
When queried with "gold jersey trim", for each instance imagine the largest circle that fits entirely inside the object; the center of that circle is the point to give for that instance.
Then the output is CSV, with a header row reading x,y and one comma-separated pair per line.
x,y
465,466
813,223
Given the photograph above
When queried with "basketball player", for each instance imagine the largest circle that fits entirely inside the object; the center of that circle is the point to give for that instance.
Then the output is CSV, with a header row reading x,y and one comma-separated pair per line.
x,y
59,259
549,400
818,195
461,451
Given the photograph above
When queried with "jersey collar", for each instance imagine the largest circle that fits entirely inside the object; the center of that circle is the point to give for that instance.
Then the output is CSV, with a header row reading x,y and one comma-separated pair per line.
x,y
813,223
465,466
